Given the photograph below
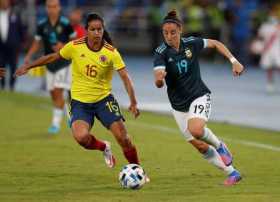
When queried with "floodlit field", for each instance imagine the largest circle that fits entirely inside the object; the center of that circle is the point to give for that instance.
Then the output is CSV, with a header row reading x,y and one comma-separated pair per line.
x,y
37,167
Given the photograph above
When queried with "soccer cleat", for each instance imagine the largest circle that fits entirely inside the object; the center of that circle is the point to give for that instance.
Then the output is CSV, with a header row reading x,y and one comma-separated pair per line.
x,y
225,154
108,156
53,129
233,178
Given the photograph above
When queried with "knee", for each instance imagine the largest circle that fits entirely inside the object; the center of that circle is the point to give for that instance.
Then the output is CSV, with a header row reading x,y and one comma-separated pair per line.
x,y
80,135
196,131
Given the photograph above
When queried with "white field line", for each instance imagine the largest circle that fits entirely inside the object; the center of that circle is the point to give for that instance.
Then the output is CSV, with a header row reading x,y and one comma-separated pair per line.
x,y
176,131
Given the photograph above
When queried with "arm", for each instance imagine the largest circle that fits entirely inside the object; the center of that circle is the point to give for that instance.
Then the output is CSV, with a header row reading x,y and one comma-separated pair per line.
x,y
130,91
2,72
46,59
159,75
237,68
34,48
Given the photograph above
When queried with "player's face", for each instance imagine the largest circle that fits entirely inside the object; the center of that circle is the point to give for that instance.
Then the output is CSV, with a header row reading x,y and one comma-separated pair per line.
x,y
171,33
53,7
95,30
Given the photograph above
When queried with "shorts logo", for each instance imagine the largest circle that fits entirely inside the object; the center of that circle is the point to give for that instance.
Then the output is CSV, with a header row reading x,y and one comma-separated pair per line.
x,y
188,53
102,58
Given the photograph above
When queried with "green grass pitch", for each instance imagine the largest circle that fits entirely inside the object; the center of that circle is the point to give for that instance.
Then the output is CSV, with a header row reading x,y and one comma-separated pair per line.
x,y
37,167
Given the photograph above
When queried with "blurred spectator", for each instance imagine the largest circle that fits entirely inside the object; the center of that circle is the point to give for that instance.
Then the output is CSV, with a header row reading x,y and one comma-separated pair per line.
x,y
12,36
268,46
75,18
193,18
240,30
154,23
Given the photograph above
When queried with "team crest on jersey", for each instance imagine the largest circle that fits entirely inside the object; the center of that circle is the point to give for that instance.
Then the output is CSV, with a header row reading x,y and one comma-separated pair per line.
x,y
59,29
102,58
188,53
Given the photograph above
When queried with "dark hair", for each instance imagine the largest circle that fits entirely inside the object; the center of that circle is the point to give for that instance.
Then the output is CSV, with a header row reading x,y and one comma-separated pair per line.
x,y
173,18
95,16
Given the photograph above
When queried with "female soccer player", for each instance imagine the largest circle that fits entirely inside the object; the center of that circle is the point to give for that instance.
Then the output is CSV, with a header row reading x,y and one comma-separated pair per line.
x,y
93,61
176,61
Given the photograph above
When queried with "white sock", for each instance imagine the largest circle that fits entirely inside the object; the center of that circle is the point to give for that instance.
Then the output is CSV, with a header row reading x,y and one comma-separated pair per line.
x,y
210,138
67,110
57,117
213,157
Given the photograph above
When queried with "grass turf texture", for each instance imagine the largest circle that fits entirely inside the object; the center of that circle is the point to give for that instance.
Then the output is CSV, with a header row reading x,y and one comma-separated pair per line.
x,y
36,166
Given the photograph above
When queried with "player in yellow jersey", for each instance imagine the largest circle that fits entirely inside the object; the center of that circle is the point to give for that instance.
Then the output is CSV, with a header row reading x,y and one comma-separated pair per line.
x,y
93,61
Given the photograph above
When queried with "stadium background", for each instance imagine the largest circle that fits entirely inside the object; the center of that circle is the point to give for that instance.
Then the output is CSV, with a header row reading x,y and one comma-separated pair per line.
x,y
36,166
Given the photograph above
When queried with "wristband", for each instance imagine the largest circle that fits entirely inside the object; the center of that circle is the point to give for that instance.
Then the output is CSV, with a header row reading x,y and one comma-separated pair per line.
x,y
232,60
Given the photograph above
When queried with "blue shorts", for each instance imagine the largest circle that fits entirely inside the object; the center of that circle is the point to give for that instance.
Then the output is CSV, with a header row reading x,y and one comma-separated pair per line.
x,y
106,111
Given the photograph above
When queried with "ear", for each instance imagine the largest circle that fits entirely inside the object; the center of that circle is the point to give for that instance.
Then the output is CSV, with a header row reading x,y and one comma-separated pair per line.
x,y
180,29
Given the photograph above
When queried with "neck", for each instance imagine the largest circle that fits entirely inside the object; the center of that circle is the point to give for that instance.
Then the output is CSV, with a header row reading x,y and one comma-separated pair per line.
x,y
176,46
94,45
54,19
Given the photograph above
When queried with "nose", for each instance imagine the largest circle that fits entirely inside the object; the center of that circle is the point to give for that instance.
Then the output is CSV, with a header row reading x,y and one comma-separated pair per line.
x,y
168,36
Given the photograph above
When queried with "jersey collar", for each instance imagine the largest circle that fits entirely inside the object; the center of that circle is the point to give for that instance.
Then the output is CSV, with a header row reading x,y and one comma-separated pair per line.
x,y
92,49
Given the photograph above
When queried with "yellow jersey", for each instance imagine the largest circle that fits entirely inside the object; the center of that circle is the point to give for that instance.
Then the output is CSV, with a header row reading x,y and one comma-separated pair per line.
x,y
92,72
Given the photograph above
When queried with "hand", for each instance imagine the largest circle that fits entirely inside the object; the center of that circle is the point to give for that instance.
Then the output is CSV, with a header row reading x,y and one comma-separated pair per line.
x,y
134,110
21,71
57,46
237,68
2,72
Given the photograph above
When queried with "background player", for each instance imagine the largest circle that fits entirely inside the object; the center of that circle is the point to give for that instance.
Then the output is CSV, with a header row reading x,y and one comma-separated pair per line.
x,y
54,31
176,62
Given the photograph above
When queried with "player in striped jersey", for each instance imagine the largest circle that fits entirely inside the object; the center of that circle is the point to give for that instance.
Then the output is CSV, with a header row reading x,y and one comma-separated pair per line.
x,y
177,63
93,61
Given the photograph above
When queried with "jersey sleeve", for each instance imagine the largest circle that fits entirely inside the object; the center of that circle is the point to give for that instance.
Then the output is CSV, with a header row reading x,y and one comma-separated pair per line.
x,y
66,51
159,62
200,44
117,60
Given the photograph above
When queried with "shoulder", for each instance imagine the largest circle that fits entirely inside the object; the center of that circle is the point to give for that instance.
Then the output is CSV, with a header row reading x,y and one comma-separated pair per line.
x,y
42,22
190,39
64,20
109,47
161,48
79,41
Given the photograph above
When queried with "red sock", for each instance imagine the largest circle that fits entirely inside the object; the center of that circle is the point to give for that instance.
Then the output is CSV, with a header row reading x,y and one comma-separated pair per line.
x,y
94,144
131,155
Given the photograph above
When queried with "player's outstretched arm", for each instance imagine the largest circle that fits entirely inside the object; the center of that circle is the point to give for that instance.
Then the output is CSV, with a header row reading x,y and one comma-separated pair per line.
x,y
237,67
130,91
2,72
159,75
46,59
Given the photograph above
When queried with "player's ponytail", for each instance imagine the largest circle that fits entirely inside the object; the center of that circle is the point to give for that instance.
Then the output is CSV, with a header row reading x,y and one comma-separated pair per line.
x,y
95,16
172,17
107,37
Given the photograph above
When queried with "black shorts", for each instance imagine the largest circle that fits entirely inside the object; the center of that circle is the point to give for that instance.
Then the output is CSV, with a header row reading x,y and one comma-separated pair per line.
x,y
106,111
